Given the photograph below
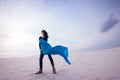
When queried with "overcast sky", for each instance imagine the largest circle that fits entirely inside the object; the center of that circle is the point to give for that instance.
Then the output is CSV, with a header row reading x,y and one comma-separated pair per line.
x,y
77,24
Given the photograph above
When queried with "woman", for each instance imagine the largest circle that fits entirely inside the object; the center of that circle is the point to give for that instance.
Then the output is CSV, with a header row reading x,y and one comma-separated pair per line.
x,y
45,37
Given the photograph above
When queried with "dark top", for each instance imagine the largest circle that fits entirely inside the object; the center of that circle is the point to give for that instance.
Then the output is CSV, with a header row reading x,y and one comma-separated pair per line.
x,y
43,38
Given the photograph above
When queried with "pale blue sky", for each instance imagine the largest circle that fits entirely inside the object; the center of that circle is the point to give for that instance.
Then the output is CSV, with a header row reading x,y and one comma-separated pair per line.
x,y
78,24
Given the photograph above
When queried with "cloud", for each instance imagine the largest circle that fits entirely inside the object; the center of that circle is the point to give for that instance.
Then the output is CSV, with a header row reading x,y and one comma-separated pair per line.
x,y
110,23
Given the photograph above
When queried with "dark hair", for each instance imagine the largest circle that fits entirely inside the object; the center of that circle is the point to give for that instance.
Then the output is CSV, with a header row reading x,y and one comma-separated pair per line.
x,y
45,34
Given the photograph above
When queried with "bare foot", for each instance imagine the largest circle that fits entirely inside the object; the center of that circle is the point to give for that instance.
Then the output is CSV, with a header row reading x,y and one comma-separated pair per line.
x,y
54,71
39,72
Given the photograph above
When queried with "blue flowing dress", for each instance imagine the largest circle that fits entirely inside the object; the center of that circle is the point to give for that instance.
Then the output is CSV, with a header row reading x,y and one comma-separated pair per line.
x,y
46,49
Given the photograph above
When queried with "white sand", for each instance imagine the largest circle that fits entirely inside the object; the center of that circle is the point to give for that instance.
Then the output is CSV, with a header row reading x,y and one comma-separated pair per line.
x,y
93,65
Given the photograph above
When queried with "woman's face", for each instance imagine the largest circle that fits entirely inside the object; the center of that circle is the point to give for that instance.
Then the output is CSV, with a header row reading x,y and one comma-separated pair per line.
x,y
42,34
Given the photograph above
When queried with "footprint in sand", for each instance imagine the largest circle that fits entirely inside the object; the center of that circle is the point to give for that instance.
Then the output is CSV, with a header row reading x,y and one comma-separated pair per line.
x,y
112,78
63,70
98,79
44,76
83,77
49,76
11,72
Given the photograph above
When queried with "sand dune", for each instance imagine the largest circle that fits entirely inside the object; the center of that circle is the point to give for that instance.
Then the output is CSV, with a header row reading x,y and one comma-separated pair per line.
x,y
92,65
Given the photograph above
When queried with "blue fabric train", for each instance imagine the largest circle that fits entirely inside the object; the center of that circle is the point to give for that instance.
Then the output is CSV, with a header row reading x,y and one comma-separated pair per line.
x,y
57,50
